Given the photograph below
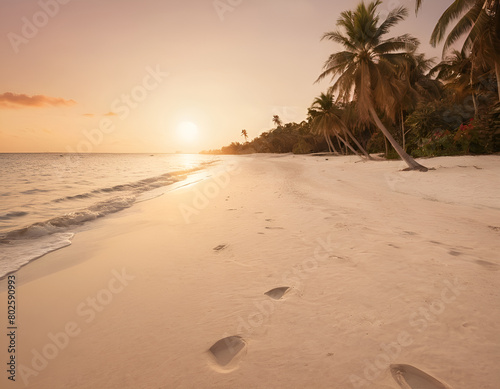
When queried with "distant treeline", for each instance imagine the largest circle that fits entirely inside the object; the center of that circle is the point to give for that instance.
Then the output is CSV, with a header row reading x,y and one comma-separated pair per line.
x,y
433,129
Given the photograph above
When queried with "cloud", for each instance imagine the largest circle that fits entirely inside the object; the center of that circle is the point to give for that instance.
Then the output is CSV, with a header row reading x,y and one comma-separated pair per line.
x,y
14,100
91,115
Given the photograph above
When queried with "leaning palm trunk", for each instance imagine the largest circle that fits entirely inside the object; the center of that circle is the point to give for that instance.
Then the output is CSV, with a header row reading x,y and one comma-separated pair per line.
x,y
348,145
412,164
328,144
361,148
473,93
403,130
497,72
342,149
474,103
331,147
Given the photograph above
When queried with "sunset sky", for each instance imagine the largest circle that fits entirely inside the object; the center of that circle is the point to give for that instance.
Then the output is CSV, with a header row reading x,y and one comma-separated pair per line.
x,y
131,75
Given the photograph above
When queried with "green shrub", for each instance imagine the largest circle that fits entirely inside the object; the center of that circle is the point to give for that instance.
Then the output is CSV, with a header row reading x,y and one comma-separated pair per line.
x,y
467,139
302,147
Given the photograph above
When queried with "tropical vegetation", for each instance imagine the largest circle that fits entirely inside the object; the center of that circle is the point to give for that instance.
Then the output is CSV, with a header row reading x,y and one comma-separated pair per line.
x,y
387,97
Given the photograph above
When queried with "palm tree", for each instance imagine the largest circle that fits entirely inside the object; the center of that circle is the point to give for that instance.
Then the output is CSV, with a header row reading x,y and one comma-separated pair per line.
x,y
418,86
479,22
418,4
322,121
277,121
456,71
326,120
419,83
368,67
244,134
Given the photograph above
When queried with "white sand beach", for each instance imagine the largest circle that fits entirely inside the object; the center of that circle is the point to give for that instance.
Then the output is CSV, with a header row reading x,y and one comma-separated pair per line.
x,y
383,268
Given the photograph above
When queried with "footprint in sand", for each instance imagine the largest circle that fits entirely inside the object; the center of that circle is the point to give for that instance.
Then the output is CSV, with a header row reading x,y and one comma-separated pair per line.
x,y
409,377
277,293
227,351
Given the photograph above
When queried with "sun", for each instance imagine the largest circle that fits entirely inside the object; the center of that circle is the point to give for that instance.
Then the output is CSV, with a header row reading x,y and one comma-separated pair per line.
x,y
187,131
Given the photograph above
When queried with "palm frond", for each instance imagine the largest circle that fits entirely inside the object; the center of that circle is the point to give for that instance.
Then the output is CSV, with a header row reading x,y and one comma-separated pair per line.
x,y
451,13
394,17
397,62
418,4
337,37
404,42
482,25
345,84
336,64
464,25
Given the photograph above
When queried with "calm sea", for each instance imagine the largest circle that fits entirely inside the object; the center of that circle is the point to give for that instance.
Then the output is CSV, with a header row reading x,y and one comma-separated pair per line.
x,y
45,197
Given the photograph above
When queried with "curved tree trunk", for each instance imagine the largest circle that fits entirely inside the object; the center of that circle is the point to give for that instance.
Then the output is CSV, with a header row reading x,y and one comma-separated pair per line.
x,y
403,130
342,149
331,147
473,94
475,104
497,72
349,133
412,164
348,145
328,143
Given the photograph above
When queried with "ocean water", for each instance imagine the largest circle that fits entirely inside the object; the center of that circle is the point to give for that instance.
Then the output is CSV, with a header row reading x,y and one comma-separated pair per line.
x,y
44,198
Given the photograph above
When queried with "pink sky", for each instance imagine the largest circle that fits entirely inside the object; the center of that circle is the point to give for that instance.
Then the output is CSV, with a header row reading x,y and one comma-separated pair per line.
x,y
121,75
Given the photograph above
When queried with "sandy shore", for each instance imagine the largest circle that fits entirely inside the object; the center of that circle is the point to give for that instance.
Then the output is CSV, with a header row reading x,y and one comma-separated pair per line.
x,y
383,268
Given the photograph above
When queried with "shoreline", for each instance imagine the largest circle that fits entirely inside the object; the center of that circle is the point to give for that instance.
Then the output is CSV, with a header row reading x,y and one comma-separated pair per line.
x,y
373,257
42,237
